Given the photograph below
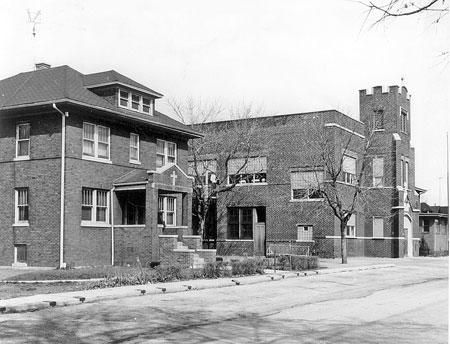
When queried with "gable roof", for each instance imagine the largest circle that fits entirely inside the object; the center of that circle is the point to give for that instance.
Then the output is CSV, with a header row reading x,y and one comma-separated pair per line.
x,y
65,84
112,77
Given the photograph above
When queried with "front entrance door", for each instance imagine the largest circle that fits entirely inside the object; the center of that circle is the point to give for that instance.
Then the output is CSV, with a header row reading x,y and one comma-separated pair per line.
x,y
259,231
408,236
259,237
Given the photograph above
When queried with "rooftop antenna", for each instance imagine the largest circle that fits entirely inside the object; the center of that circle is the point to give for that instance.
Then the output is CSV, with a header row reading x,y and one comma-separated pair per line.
x,y
33,18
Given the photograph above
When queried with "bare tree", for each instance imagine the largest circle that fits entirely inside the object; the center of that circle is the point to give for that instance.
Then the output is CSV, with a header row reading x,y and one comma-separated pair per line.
x,y
345,190
405,8
234,140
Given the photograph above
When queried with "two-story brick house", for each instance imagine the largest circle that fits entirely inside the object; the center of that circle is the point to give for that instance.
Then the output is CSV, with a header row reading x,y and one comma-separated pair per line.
x,y
275,201
90,172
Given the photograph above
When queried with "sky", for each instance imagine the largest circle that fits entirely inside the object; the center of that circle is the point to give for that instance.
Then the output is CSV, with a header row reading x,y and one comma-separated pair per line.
x,y
282,56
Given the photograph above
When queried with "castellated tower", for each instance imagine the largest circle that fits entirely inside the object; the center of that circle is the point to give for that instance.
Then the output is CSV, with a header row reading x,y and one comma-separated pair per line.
x,y
392,213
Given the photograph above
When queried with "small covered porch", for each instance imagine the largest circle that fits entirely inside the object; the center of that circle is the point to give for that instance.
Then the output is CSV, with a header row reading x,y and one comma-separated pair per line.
x,y
145,205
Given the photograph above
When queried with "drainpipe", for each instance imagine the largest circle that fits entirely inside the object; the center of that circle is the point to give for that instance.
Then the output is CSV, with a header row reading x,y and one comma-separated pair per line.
x,y
63,163
112,224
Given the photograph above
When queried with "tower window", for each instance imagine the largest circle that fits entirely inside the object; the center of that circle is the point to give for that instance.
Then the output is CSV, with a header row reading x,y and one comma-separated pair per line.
x,y
404,120
378,119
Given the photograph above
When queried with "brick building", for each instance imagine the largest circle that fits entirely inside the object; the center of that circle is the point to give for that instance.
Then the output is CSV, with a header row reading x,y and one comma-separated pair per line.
x,y
91,173
274,203
433,223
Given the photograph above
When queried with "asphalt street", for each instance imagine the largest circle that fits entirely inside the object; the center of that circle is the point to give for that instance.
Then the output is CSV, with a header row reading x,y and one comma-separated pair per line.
x,y
404,304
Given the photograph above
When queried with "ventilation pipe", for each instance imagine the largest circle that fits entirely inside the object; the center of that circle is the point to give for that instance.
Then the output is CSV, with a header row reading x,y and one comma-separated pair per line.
x,y
62,264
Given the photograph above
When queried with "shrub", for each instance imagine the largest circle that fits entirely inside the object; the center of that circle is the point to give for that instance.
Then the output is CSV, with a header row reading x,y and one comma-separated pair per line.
x,y
216,270
247,267
295,262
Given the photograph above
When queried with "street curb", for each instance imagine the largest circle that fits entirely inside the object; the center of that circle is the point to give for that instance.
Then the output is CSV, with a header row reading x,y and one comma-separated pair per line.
x,y
43,301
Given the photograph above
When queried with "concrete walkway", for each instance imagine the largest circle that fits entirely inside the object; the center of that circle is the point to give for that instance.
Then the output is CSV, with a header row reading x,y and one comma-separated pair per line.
x,y
41,301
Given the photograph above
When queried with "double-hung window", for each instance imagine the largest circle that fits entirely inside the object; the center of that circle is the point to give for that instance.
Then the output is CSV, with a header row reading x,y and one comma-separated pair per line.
x,y
123,98
351,227
135,102
378,119
21,206
134,148
94,206
240,223
378,172
403,120
306,185
304,233
23,141
247,170
349,169
96,141
167,210
166,153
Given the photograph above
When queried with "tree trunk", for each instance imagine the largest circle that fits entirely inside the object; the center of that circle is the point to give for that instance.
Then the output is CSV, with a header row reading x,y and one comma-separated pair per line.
x,y
343,243
201,230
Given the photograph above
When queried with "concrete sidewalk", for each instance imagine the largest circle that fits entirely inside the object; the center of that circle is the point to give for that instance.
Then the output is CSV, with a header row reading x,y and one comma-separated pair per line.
x,y
41,301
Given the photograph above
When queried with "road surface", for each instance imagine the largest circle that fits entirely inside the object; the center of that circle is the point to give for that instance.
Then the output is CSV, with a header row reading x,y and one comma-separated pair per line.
x,y
404,304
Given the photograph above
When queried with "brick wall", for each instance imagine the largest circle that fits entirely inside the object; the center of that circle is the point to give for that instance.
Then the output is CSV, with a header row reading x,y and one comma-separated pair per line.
x,y
41,174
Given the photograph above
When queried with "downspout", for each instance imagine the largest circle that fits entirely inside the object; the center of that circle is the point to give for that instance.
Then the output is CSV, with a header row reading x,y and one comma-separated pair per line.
x,y
63,163
112,224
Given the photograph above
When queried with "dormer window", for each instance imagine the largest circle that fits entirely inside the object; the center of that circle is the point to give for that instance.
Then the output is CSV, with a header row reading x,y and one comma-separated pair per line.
x,y
136,102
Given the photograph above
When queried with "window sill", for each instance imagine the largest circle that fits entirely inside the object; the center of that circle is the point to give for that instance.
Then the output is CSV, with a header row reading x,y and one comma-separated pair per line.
x,y
21,224
134,162
92,158
306,200
21,158
95,224
379,238
130,226
247,240
304,240
248,184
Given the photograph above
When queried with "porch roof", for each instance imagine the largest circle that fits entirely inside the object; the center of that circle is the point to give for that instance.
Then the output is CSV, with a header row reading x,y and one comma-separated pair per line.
x,y
132,177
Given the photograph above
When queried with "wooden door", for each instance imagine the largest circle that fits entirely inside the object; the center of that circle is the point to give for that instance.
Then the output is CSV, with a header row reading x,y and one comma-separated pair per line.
x,y
259,238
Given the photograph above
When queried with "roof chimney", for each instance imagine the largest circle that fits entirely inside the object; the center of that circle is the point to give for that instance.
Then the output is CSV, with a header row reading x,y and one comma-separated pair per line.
x,y
42,65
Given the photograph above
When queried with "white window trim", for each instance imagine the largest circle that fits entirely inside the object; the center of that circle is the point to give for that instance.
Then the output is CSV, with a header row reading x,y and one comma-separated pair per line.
x,y
22,157
136,161
93,222
164,211
18,223
166,152
95,157
141,102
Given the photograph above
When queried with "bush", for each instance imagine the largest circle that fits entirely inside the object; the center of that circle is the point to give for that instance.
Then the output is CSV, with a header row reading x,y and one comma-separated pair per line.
x,y
247,267
295,262
216,270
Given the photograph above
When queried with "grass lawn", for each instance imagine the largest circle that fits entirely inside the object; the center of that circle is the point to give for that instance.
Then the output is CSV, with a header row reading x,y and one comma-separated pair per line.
x,y
73,274
11,290
119,276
